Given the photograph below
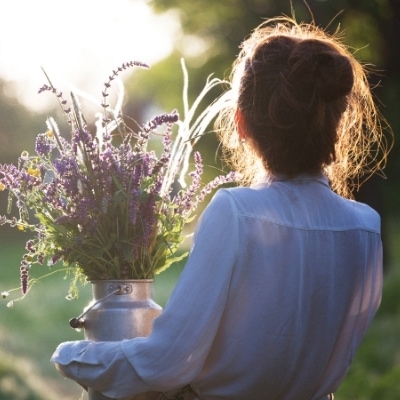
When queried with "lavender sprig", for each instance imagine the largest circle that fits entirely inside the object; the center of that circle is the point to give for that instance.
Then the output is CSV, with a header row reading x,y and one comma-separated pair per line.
x,y
107,85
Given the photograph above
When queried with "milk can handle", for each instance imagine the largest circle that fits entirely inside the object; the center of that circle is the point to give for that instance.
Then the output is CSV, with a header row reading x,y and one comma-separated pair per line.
x,y
79,322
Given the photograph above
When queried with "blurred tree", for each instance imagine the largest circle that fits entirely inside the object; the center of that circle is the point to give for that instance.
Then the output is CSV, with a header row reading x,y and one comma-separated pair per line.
x,y
213,30
18,127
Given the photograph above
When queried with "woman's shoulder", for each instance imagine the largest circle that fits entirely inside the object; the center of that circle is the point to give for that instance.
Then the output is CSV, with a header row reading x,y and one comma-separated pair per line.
x,y
236,194
365,213
242,199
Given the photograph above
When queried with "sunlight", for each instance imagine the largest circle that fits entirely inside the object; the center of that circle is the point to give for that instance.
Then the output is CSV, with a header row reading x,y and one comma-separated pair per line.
x,y
78,41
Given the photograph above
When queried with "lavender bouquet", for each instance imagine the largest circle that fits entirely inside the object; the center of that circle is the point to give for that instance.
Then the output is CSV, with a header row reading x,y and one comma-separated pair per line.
x,y
104,205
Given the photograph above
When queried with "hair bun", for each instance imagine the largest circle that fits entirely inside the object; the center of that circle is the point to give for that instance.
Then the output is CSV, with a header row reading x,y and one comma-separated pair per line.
x,y
319,69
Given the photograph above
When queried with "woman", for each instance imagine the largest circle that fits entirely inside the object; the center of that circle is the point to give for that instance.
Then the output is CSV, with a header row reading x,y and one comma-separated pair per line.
x,y
285,274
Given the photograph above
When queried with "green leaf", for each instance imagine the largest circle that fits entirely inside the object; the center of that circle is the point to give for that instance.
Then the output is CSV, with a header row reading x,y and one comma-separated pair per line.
x,y
170,261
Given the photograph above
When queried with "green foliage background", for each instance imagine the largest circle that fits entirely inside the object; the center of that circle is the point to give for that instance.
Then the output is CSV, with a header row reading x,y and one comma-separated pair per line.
x,y
212,32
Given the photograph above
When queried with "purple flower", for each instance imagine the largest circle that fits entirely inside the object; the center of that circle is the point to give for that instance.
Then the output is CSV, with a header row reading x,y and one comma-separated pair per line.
x,y
30,246
218,181
152,125
24,279
186,198
17,180
148,220
56,257
146,162
40,258
161,119
82,139
44,145
134,205
137,174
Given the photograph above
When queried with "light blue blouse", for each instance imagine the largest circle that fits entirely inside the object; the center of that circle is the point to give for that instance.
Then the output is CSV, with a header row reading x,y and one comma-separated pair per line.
x,y
281,284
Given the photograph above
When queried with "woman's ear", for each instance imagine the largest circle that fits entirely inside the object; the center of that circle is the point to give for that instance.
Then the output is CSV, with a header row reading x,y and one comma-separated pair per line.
x,y
240,125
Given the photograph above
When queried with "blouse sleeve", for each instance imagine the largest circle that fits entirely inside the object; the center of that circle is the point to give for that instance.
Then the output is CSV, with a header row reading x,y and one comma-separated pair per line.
x,y
182,335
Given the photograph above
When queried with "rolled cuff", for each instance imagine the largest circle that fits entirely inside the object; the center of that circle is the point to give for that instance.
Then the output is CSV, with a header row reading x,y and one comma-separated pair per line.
x,y
101,366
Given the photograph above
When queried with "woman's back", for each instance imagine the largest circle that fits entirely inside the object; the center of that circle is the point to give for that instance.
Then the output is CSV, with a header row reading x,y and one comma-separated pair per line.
x,y
293,317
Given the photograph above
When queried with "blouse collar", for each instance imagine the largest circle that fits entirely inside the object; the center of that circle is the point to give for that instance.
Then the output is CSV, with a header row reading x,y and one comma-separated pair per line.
x,y
319,177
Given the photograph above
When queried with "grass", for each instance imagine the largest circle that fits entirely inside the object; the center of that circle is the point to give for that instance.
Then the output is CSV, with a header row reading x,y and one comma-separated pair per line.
x,y
19,380
375,372
30,332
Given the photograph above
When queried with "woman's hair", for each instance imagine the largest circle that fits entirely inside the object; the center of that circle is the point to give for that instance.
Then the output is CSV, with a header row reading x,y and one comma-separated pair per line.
x,y
305,105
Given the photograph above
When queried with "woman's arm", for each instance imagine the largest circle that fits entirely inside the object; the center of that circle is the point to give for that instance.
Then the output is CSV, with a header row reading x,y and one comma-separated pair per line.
x,y
182,335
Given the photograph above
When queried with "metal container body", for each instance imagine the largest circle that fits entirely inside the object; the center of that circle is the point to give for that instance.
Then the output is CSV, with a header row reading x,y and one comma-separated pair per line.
x,y
123,310
120,310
